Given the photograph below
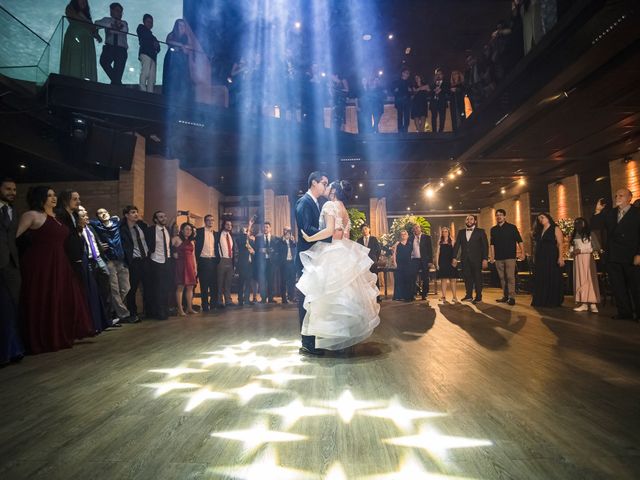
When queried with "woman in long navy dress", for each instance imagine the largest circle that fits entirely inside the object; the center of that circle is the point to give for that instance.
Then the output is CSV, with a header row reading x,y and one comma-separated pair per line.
x,y
548,289
404,277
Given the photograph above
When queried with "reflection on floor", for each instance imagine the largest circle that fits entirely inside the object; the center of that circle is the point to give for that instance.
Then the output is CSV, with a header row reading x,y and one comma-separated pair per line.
x,y
447,391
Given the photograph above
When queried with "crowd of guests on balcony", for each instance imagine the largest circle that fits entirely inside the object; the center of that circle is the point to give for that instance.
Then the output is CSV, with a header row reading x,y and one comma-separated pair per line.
x,y
308,89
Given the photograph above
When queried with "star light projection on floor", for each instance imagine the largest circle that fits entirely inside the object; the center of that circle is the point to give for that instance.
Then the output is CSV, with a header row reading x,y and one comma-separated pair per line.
x,y
275,361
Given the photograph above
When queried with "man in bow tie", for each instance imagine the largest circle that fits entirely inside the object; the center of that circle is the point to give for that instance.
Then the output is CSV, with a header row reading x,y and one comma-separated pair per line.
x,y
472,248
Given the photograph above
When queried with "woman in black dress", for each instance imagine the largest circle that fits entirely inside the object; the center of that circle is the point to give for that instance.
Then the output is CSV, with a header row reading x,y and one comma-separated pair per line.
x,y
458,91
549,260
446,272
404,277
419,103
176,76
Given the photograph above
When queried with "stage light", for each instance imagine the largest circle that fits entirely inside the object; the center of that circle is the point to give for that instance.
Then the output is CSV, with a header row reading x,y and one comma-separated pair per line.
x,y
269,175
366,37
452,175
23,166
361,185
356,197
390,36
380,73
429,192
323,74
297,25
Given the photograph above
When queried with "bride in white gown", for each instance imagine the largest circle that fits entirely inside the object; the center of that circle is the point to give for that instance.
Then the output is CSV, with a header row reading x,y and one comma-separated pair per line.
x,y
340,290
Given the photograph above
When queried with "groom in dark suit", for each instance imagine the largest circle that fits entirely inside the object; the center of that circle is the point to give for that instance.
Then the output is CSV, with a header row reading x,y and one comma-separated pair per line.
x,y
308,220
472,248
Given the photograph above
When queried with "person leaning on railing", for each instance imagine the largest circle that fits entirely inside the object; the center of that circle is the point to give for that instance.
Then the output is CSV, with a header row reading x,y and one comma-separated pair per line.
x,y
114,52
148,54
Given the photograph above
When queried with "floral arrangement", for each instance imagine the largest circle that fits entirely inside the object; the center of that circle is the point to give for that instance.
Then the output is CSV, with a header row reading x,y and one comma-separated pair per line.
x,y
357,219
566,226
403,223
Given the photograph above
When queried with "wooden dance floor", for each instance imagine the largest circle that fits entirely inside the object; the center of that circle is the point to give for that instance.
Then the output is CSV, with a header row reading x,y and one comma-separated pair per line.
x,y
454,391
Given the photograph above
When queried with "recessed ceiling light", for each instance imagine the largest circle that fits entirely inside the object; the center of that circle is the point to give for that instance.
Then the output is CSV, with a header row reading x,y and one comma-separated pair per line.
x,y
503,191
390,36
366,37
450,207
599,179
22,165
361,185
452,175
381,184
457,187
485,182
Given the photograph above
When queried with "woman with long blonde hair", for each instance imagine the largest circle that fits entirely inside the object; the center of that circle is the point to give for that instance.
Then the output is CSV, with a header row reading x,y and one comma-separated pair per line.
x,y
446,272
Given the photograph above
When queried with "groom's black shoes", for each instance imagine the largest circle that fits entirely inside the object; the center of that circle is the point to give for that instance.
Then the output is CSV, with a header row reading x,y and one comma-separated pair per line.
x,y
311,353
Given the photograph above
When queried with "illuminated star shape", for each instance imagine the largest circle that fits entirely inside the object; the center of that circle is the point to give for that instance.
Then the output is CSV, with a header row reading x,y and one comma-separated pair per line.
x,y
283,378
347,406
435,443
253,360
266,466
412,469
402,417
176,372
202,395
166,387
257,436
295,411
213,360
226,352
250,390
285,362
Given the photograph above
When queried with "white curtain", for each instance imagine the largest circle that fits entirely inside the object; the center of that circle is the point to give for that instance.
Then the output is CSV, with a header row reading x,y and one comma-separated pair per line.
x,y
378,216
282,214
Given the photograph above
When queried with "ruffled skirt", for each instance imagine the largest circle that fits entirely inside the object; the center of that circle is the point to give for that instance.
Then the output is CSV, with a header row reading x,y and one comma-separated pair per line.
x,y
340,294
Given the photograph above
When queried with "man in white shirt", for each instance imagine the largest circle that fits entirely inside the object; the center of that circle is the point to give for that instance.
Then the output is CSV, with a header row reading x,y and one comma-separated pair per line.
x,y
421,257
208,259
226,251
114,51
158,241
265,248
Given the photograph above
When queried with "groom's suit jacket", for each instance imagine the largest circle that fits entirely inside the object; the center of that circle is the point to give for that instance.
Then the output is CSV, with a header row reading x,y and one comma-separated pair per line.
x,y
308,219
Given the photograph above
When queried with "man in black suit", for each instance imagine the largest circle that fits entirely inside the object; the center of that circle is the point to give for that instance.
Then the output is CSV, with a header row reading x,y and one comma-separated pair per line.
x,y
228,254
286,258
67,212
158,242
373,245
421,257
472,248
267,261
308,220
246,257
11,348
438,104
136,254
622,253
208,259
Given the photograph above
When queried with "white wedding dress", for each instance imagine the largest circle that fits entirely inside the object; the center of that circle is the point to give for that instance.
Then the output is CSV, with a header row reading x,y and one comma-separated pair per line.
x,y
340,291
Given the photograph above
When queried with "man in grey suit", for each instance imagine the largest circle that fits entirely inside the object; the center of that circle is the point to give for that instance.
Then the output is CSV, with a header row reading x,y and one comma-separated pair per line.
x,y
10,345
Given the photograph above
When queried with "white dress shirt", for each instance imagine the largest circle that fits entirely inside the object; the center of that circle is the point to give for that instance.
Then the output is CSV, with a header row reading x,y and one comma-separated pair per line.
x,y
114,37
207,248
468,233
365,241
315,200
289,255
224,244
161,252
415,253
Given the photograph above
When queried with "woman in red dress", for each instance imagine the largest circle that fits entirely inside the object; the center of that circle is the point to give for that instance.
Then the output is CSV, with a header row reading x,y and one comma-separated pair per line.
x,y
55,309
186,274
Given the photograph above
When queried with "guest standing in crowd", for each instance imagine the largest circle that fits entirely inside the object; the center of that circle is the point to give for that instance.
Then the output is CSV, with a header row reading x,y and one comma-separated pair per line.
x,y
549,262
114,52
472,249
206,249
227,250
11,348
372,243
447,273
402,96
405,275
338,89
246,259
54,308
147,54
421,258
458,92
505,248
265,258
622,254
78,57
94,271
287,256
176,76
439,98
585,275
158,243
186,271
419,103
67,213
136,256
108,229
